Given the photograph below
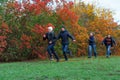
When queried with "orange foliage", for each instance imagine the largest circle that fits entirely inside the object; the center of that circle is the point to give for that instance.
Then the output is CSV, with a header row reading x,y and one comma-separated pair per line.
x,y
97,20
67,16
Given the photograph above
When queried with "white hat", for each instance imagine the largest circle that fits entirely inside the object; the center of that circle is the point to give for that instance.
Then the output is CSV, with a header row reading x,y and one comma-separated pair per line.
x,y
50,28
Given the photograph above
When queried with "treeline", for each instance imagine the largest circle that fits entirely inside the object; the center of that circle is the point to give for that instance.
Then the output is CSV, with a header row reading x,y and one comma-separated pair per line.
x,y
22,26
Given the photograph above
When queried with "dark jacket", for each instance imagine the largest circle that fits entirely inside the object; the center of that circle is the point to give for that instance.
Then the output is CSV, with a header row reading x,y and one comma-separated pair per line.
x,y
65,35
50,36
109,41
91,40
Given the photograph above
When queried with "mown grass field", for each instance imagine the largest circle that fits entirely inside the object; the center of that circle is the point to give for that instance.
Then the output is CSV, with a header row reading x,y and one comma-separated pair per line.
x,y
74,69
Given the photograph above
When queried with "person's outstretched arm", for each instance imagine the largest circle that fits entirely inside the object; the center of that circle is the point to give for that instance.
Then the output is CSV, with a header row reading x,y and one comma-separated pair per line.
x,y
113,40
70,36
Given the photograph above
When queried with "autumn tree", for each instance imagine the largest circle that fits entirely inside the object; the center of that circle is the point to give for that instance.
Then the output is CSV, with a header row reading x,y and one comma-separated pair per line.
x,y
96,19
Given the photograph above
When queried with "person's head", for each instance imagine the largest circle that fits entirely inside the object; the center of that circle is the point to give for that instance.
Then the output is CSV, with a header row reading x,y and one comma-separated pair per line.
x,y
62,29
108,35
50,29
91,34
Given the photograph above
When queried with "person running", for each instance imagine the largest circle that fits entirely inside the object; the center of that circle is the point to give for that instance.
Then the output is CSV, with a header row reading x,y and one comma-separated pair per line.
x,y
64,35
92,46
50,36
108,42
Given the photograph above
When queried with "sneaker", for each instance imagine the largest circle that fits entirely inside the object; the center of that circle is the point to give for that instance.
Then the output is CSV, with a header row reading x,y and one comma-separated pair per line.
x,y
51,59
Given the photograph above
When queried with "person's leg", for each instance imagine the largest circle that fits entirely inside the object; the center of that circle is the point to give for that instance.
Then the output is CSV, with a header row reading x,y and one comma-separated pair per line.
x,y
89,51
49,51
94,49
110,54
64,48
69,52
108,51
54,53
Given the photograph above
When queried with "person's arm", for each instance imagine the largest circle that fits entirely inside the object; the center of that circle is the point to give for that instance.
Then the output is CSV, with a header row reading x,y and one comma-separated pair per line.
x,y
103,42
44,36
113,40
70,36
58,37
90,40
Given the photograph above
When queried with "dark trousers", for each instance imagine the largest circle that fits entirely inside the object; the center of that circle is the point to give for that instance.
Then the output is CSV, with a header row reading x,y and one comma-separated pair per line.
x,y
51,51
65,50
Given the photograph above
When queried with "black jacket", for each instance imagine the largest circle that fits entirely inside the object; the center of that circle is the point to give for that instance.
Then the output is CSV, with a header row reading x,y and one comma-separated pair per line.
x,y
65,35
50,36
109,41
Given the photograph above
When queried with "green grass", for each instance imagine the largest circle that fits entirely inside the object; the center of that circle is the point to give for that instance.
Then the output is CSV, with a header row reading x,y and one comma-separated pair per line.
x,y
74,69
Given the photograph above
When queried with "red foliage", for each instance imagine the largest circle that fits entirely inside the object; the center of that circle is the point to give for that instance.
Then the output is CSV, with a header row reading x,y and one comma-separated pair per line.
x,y
67,15
38,50
39,29
49,24
3,43
25,41
36,8
68,5
4,28
17,6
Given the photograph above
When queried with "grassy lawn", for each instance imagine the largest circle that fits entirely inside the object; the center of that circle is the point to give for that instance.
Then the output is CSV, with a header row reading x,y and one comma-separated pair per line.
x,y
74,69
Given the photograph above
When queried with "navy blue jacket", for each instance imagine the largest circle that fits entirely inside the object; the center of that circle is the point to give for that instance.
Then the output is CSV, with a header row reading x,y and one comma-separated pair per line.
x,y
91,40
108,41
50,36
65,35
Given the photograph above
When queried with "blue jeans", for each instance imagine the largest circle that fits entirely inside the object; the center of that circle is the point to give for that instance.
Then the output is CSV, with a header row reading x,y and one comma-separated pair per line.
x,y
108,51
90,48
51,51
65,50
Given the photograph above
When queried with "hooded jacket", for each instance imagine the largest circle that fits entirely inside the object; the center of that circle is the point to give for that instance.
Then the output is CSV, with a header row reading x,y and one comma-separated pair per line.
x,y
65,35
